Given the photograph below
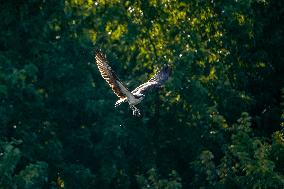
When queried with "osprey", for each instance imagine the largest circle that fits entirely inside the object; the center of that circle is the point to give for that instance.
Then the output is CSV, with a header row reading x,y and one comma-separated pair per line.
x,y
137,95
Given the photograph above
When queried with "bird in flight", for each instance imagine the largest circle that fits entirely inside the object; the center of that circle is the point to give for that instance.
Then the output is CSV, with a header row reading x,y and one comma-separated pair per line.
x,y
138,94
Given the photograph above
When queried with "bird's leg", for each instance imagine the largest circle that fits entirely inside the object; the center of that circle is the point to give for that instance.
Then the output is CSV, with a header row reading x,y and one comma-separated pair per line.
x,y
135,111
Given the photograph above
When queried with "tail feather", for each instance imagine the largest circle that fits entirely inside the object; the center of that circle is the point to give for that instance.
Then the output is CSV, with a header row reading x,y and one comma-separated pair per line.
x,y
120,101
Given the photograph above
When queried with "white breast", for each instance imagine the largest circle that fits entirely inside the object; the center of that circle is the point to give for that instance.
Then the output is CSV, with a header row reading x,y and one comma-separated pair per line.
x,y
134,101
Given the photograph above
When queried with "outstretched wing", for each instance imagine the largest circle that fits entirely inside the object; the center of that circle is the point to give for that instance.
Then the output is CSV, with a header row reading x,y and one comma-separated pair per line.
x,y
109,75
156,81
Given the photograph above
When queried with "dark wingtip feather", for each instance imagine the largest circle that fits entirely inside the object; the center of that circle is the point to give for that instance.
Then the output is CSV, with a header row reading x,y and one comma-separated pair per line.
x,y
98,51
99,54
167,69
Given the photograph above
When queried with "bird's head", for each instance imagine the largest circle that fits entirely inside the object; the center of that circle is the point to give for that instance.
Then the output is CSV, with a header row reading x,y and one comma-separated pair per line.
x,y
139,96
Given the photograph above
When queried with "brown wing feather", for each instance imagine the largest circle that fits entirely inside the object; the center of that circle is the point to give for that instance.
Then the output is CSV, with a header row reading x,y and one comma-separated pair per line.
x,y
108,74
156,81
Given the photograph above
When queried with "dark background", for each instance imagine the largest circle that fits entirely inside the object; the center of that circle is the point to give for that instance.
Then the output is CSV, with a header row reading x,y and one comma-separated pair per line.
x,y
217,123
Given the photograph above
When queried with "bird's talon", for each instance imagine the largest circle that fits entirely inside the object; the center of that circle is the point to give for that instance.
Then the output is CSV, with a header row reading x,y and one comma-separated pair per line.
x,y
135,111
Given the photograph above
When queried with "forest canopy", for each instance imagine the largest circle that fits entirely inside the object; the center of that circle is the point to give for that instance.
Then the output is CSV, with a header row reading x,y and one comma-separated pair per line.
x,y
217,123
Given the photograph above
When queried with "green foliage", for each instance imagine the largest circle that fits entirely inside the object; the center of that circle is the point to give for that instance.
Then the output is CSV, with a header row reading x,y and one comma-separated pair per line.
x,y
152,181
10,157
218,122
247,158
32,176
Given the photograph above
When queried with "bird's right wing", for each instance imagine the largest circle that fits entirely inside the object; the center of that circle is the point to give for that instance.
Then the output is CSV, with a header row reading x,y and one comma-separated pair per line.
x,y
109,75
156,81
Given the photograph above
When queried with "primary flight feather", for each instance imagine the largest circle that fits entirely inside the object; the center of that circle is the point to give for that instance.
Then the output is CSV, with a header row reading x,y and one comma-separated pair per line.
x,y
137,95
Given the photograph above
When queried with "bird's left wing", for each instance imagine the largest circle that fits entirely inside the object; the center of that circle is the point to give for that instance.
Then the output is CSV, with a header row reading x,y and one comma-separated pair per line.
x,y
156,81
109,75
